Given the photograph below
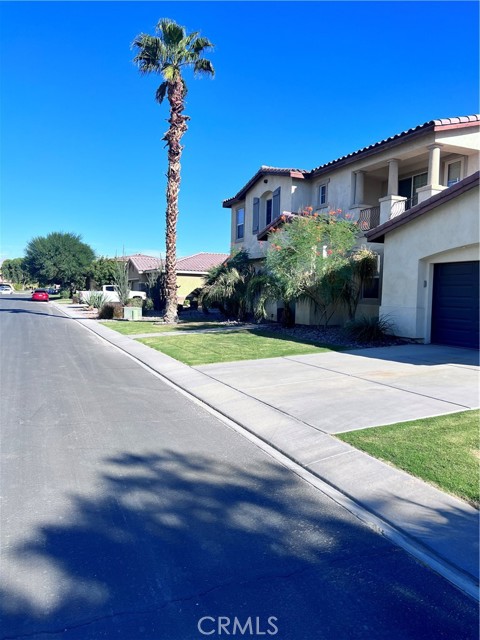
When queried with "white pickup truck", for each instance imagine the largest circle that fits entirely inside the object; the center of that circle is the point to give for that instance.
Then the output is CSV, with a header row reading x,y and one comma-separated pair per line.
x,y
110,294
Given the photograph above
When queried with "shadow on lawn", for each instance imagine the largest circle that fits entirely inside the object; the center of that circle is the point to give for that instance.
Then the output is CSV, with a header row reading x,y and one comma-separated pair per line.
x,y
162,539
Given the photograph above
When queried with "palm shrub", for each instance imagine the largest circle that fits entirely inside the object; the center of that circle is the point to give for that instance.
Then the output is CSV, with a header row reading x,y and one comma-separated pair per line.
x,y
370,329
226,286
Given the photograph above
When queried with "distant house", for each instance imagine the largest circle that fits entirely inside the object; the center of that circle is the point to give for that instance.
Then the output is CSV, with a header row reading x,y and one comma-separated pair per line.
x,y
191,271
414,197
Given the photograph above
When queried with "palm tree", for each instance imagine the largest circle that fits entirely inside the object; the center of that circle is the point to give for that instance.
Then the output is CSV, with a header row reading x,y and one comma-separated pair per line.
x,y
226,286
168,53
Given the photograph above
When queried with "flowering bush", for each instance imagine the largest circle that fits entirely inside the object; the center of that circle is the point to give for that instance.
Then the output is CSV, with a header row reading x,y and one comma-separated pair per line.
x,y
312,257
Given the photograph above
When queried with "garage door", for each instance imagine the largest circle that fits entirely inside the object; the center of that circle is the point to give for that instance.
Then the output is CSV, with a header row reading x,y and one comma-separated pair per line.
x,y
455,304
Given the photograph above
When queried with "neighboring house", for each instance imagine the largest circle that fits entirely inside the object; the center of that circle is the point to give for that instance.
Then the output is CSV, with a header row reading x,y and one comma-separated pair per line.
x,y
191,271
377,184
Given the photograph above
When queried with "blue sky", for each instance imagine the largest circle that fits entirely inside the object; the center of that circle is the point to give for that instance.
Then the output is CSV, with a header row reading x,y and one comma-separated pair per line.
x,y
297,84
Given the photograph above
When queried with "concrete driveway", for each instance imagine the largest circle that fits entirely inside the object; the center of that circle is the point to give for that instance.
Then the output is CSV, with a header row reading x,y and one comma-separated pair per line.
x,y
336,392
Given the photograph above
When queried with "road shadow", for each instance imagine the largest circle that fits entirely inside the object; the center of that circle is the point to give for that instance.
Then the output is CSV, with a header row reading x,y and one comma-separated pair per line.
x,y
164,539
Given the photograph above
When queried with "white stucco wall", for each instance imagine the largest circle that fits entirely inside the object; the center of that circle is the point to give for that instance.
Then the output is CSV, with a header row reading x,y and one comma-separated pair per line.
x,y
449,233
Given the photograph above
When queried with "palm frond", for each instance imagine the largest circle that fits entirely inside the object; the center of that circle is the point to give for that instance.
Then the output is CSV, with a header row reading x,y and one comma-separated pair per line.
x,y
161,92
200,44
151,51
171,33
203,66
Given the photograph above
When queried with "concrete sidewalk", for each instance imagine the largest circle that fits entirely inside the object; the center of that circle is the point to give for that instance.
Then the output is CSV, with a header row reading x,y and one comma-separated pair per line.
x,y
289,404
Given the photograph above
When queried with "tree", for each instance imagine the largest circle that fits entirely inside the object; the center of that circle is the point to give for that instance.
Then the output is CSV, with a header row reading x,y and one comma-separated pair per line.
x,y
102,271
59,258
311,257
15,271
120,280
168,53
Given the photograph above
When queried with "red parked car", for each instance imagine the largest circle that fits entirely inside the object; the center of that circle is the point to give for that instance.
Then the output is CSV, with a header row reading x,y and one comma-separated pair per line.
x,y
41,295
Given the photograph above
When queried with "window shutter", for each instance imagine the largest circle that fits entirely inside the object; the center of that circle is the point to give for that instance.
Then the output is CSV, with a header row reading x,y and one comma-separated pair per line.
x,y
276,203
256,214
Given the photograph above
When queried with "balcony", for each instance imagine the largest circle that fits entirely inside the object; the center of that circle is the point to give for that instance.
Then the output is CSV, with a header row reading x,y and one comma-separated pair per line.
x,y
369,218
401,206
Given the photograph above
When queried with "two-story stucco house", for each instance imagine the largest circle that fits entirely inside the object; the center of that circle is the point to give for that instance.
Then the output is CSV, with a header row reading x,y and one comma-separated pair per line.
x,y
415,197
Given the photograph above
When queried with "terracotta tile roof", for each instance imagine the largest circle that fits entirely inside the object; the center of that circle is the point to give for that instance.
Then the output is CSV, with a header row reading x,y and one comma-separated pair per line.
x,y
431,125
200,262
442,124
378,234
264,171
142,262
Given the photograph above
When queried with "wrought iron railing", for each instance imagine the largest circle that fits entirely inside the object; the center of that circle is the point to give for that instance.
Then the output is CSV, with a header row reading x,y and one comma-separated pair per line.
x,y
401,206
369,218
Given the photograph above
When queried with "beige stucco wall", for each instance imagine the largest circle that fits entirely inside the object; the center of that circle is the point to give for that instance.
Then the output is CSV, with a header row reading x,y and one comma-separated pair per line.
x,y
186,284
259,190
449,233
466,138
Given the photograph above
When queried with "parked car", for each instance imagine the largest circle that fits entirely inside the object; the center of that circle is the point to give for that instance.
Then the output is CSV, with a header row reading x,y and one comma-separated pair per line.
x,y
6,289
110,294
40,295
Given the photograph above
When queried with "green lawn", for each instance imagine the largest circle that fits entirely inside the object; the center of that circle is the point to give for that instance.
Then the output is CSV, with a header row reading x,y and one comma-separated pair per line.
x,y
443,450
56,298
208,348
133,328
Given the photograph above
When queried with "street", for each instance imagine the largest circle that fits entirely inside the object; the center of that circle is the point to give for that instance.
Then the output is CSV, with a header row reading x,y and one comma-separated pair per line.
x,y
130,512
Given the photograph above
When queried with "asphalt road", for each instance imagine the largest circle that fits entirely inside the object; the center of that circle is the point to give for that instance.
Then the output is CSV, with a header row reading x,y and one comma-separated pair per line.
x,y
129,512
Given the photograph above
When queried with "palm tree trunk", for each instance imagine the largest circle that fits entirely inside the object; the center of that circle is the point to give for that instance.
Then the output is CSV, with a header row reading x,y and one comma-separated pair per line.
x,y
173,136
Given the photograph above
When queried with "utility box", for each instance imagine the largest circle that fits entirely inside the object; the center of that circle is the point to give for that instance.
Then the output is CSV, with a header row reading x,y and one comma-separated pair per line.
x,y
132,313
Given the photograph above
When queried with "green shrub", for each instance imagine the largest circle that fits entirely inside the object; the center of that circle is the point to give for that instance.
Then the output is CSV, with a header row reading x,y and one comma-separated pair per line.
x,y
148,305
64,293
95,299
134,302
111,311
367,329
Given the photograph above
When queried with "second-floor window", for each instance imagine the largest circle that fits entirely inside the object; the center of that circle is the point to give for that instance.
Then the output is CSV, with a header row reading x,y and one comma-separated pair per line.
x,y
268,211
322,194
240,223
453,171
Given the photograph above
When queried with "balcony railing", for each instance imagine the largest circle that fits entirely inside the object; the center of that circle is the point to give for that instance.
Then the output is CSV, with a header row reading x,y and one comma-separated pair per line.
x,y
369,218
401,206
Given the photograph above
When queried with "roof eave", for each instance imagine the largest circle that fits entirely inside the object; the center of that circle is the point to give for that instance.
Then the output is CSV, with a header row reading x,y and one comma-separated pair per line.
x,y
297,174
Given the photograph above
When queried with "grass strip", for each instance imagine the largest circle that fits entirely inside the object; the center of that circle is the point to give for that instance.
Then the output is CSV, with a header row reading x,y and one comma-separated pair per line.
x,y
139,327
443,450
197,349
